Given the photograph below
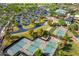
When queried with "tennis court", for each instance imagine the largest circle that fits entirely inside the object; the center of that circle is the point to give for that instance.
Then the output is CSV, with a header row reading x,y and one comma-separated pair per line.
x,y
60,32
16,47
50,48
36,44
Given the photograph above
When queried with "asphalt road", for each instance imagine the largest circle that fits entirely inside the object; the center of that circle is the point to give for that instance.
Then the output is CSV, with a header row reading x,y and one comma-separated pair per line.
x,y
23,30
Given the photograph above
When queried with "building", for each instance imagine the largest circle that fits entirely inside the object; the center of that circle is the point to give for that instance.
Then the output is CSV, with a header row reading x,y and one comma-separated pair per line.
x,y
69,20
60,12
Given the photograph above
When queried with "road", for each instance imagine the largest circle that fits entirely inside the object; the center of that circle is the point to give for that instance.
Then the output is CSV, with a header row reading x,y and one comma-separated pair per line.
x,y
23,30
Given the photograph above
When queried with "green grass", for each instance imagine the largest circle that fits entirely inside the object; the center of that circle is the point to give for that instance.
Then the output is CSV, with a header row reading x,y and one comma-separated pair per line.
x,y
28,36
29,26
24,34
74,50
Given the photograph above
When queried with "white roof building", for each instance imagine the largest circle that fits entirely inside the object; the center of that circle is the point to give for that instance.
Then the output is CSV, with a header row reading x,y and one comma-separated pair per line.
x,y
60,12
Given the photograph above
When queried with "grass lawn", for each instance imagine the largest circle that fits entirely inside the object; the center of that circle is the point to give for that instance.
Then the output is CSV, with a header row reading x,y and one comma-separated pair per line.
x,y
41,20
6,42
16,28
29,26
69,51
73,51
25,27
24,34
27,35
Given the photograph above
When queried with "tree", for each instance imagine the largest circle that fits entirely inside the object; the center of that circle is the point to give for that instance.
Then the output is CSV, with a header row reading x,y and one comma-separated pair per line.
x,y
66,37
7,39
31,31
67,47
61,53
73,27
52,12
40,32
38,52
46,33
52,8
75,33
35,35
50,22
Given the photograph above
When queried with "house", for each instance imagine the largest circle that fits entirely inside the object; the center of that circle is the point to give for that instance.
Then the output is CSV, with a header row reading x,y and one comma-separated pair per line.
x,y
76,18
69,20
60,12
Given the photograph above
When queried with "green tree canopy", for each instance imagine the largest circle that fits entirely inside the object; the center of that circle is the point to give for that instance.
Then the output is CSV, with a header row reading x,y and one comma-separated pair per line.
x,y
38,52
73,27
